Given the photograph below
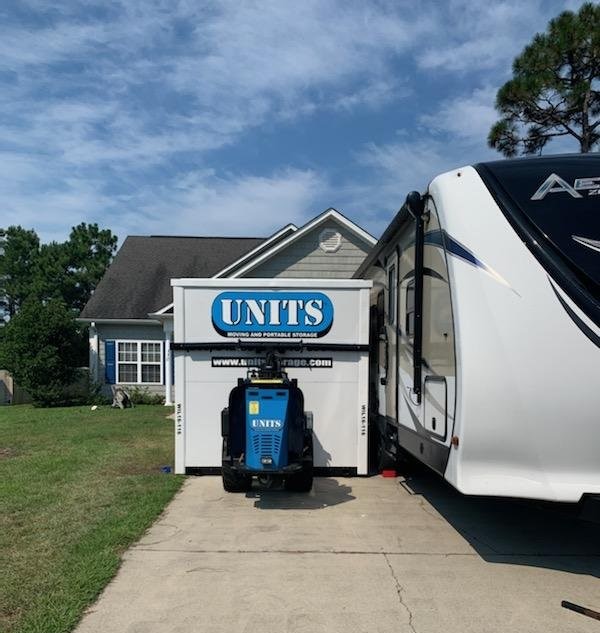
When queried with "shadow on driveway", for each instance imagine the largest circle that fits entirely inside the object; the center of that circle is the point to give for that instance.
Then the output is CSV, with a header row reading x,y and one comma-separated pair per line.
x,y
325,493
523,532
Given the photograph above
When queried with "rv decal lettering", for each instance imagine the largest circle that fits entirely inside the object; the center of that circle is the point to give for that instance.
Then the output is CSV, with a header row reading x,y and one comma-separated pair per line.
x,y
272,314
555,184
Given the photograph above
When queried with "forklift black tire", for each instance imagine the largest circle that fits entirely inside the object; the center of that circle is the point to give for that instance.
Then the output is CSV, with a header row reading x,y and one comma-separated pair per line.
x,y
234,481
300,482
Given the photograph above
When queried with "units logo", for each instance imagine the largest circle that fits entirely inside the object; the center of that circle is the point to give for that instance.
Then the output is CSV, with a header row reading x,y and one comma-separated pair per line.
x,y
272,314
266,424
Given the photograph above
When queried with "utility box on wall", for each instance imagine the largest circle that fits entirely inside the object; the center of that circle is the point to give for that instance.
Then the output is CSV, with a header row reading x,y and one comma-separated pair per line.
x,y
318,328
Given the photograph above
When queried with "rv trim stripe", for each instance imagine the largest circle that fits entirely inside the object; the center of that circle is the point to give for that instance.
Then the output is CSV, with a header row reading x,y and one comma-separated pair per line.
x,y
591,335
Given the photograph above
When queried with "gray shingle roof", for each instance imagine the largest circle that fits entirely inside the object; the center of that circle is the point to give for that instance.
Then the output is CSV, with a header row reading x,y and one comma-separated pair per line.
x,y
138,280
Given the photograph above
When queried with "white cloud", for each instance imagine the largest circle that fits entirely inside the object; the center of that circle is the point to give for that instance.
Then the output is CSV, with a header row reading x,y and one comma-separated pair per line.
x,y
197,203
100,97
473,36
203,203
99,101
404,165
105,104
452,135
277,48
373,95
468,116
233,66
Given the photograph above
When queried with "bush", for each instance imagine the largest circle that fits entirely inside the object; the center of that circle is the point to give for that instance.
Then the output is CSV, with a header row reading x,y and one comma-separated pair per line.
x,y
84,390
143,395
39,348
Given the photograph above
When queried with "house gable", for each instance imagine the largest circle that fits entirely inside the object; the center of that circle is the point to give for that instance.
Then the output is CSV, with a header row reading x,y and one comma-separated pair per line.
x,y
330,246
267,245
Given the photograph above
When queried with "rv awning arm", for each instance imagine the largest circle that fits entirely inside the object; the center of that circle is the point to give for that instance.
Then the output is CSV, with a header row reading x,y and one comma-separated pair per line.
x,y
415,204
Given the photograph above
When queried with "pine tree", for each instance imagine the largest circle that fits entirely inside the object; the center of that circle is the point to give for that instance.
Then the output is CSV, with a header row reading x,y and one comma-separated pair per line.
x,y
555,89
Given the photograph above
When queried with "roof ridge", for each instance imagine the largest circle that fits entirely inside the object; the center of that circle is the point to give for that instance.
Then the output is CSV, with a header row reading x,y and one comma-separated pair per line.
x,y
204,237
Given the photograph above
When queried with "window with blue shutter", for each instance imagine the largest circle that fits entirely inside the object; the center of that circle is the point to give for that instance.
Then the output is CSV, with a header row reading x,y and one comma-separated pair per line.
x,y
131,362
109,362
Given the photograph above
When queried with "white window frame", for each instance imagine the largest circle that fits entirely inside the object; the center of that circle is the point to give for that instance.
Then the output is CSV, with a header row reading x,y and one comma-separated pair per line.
x,y
139,363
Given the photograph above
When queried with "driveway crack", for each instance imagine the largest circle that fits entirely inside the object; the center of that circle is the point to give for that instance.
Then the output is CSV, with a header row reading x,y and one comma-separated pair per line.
x,y
400,592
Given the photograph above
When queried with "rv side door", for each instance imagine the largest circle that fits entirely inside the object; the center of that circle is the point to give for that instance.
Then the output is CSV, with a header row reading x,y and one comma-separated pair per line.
x,y
391,336
437,335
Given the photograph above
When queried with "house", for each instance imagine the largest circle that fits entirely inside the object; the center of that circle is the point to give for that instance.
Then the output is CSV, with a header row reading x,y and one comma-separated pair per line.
x,y
130,315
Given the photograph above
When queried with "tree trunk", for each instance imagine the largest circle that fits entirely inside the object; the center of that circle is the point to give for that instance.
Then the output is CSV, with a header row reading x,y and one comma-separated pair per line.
x,y
584,143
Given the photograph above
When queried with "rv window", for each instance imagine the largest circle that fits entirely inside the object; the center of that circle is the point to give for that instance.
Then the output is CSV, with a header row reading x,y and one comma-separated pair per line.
x,y
410,309
392,295
380,311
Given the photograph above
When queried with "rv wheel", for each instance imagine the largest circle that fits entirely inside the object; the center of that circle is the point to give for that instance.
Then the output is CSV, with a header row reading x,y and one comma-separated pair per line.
x,y
234,482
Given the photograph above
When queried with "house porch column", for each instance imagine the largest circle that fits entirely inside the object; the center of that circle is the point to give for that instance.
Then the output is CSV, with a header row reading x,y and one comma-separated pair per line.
x,y
168,333
94,349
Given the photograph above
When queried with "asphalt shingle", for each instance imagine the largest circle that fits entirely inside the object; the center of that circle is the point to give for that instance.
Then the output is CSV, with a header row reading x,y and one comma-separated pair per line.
x,y
138,280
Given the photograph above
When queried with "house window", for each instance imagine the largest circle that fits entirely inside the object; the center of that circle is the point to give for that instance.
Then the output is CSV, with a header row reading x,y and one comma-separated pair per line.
x,y
139,362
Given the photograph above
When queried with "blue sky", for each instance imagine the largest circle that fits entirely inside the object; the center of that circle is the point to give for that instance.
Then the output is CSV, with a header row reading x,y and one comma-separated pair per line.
x,y
235,118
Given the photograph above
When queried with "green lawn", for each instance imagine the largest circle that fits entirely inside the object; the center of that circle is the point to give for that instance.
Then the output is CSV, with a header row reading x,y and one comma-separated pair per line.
x,y
77,487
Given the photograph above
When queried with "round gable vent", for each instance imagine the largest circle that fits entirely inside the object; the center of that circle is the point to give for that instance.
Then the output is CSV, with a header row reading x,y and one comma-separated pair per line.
x,y
330,240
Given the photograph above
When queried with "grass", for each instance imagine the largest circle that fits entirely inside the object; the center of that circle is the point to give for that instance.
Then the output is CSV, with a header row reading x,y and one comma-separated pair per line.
x,y
77,487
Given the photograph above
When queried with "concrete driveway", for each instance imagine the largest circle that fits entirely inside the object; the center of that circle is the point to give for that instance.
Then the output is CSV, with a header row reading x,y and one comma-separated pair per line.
x,y
371,555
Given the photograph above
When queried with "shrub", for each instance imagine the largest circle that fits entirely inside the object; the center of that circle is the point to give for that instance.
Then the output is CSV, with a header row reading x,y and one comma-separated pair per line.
x,y
143,395
39,347
84,390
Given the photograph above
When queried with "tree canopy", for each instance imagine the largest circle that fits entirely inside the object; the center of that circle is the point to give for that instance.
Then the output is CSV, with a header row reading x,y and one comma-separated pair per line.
x,y
18,253
68,271
555,89
39,345
42,288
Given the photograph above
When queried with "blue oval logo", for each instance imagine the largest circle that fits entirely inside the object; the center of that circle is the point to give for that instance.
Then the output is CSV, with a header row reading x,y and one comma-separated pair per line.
x,y
272,314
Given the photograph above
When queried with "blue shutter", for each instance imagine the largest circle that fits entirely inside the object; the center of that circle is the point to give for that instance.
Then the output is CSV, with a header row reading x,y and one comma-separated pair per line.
x,y
109,362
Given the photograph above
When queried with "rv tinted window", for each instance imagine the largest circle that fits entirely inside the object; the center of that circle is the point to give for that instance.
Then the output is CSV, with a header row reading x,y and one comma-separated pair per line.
x,y
555,204
392,294
409,326
380,309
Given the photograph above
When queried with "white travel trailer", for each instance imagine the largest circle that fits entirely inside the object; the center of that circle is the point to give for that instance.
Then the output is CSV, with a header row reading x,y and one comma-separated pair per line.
x,y
486,305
